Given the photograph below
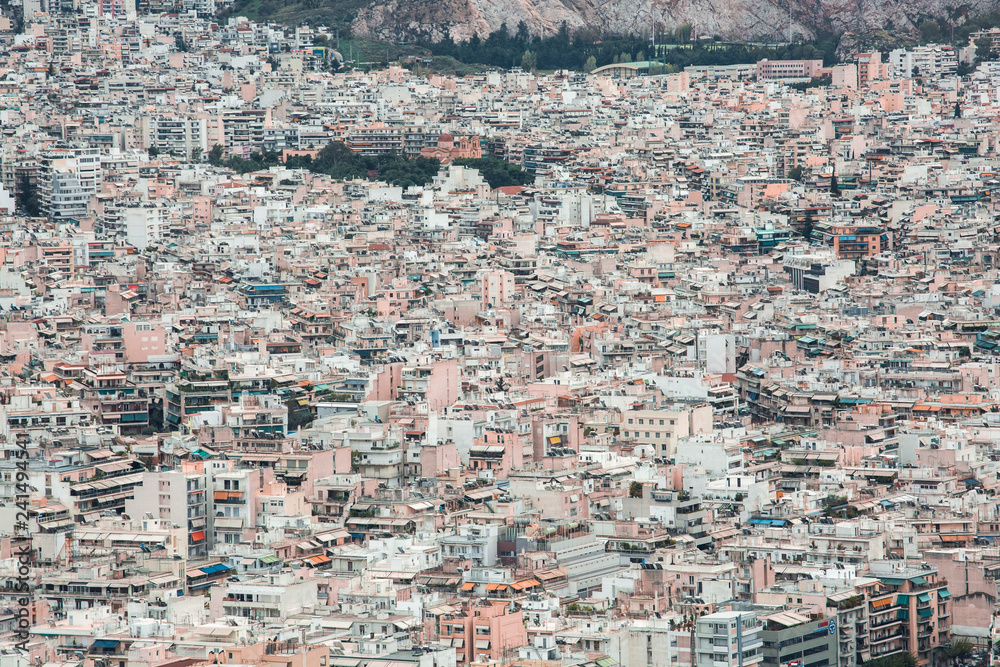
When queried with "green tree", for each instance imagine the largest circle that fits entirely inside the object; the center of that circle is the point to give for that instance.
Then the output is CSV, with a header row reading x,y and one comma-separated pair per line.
x,y
27,196
528,61
153,151
640,57
957,649
635,490
930,31
807,225
984,49
498,173
215,155
834,186
590,65
795,173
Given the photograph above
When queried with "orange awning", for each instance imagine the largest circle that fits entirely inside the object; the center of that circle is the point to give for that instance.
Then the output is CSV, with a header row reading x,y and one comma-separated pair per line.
x,y
198,535
492,587
881,603
955,538
222,495
468,587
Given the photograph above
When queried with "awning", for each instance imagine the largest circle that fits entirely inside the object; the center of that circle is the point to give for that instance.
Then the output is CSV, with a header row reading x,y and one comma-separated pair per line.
x,y
903,599
943,594
877,604
269,559
482,643
198,535
926,613
892,582
212,569
106,643
924,597
468,586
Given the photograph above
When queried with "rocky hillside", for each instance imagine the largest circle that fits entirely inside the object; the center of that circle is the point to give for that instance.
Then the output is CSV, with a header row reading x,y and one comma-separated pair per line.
x,y
406,20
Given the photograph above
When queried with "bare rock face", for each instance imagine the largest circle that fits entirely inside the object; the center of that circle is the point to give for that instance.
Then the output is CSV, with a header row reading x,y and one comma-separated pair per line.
x,y
408,20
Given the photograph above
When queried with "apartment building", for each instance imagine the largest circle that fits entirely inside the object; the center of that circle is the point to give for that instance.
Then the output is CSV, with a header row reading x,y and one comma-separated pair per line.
x,y
790,637
729,639
483,631
146,225
177,136
929,60
115,400
67,180
661,429
179,497
272,598
788,69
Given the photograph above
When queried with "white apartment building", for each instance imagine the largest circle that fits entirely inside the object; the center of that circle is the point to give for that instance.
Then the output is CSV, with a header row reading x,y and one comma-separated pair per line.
x,y
67,179
181,137
662,429
930,60
271,598
179,498
728,639
144,225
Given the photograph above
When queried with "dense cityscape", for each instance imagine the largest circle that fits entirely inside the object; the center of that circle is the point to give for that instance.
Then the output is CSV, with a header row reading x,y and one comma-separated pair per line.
x,y
315,362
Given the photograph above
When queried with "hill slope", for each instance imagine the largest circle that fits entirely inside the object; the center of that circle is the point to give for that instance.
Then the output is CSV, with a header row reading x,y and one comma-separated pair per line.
x,y
407,20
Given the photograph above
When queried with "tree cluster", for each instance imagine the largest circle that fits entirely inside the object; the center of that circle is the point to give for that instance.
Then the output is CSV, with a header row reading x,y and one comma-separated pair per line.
x,y
588,49
338,161
498,173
